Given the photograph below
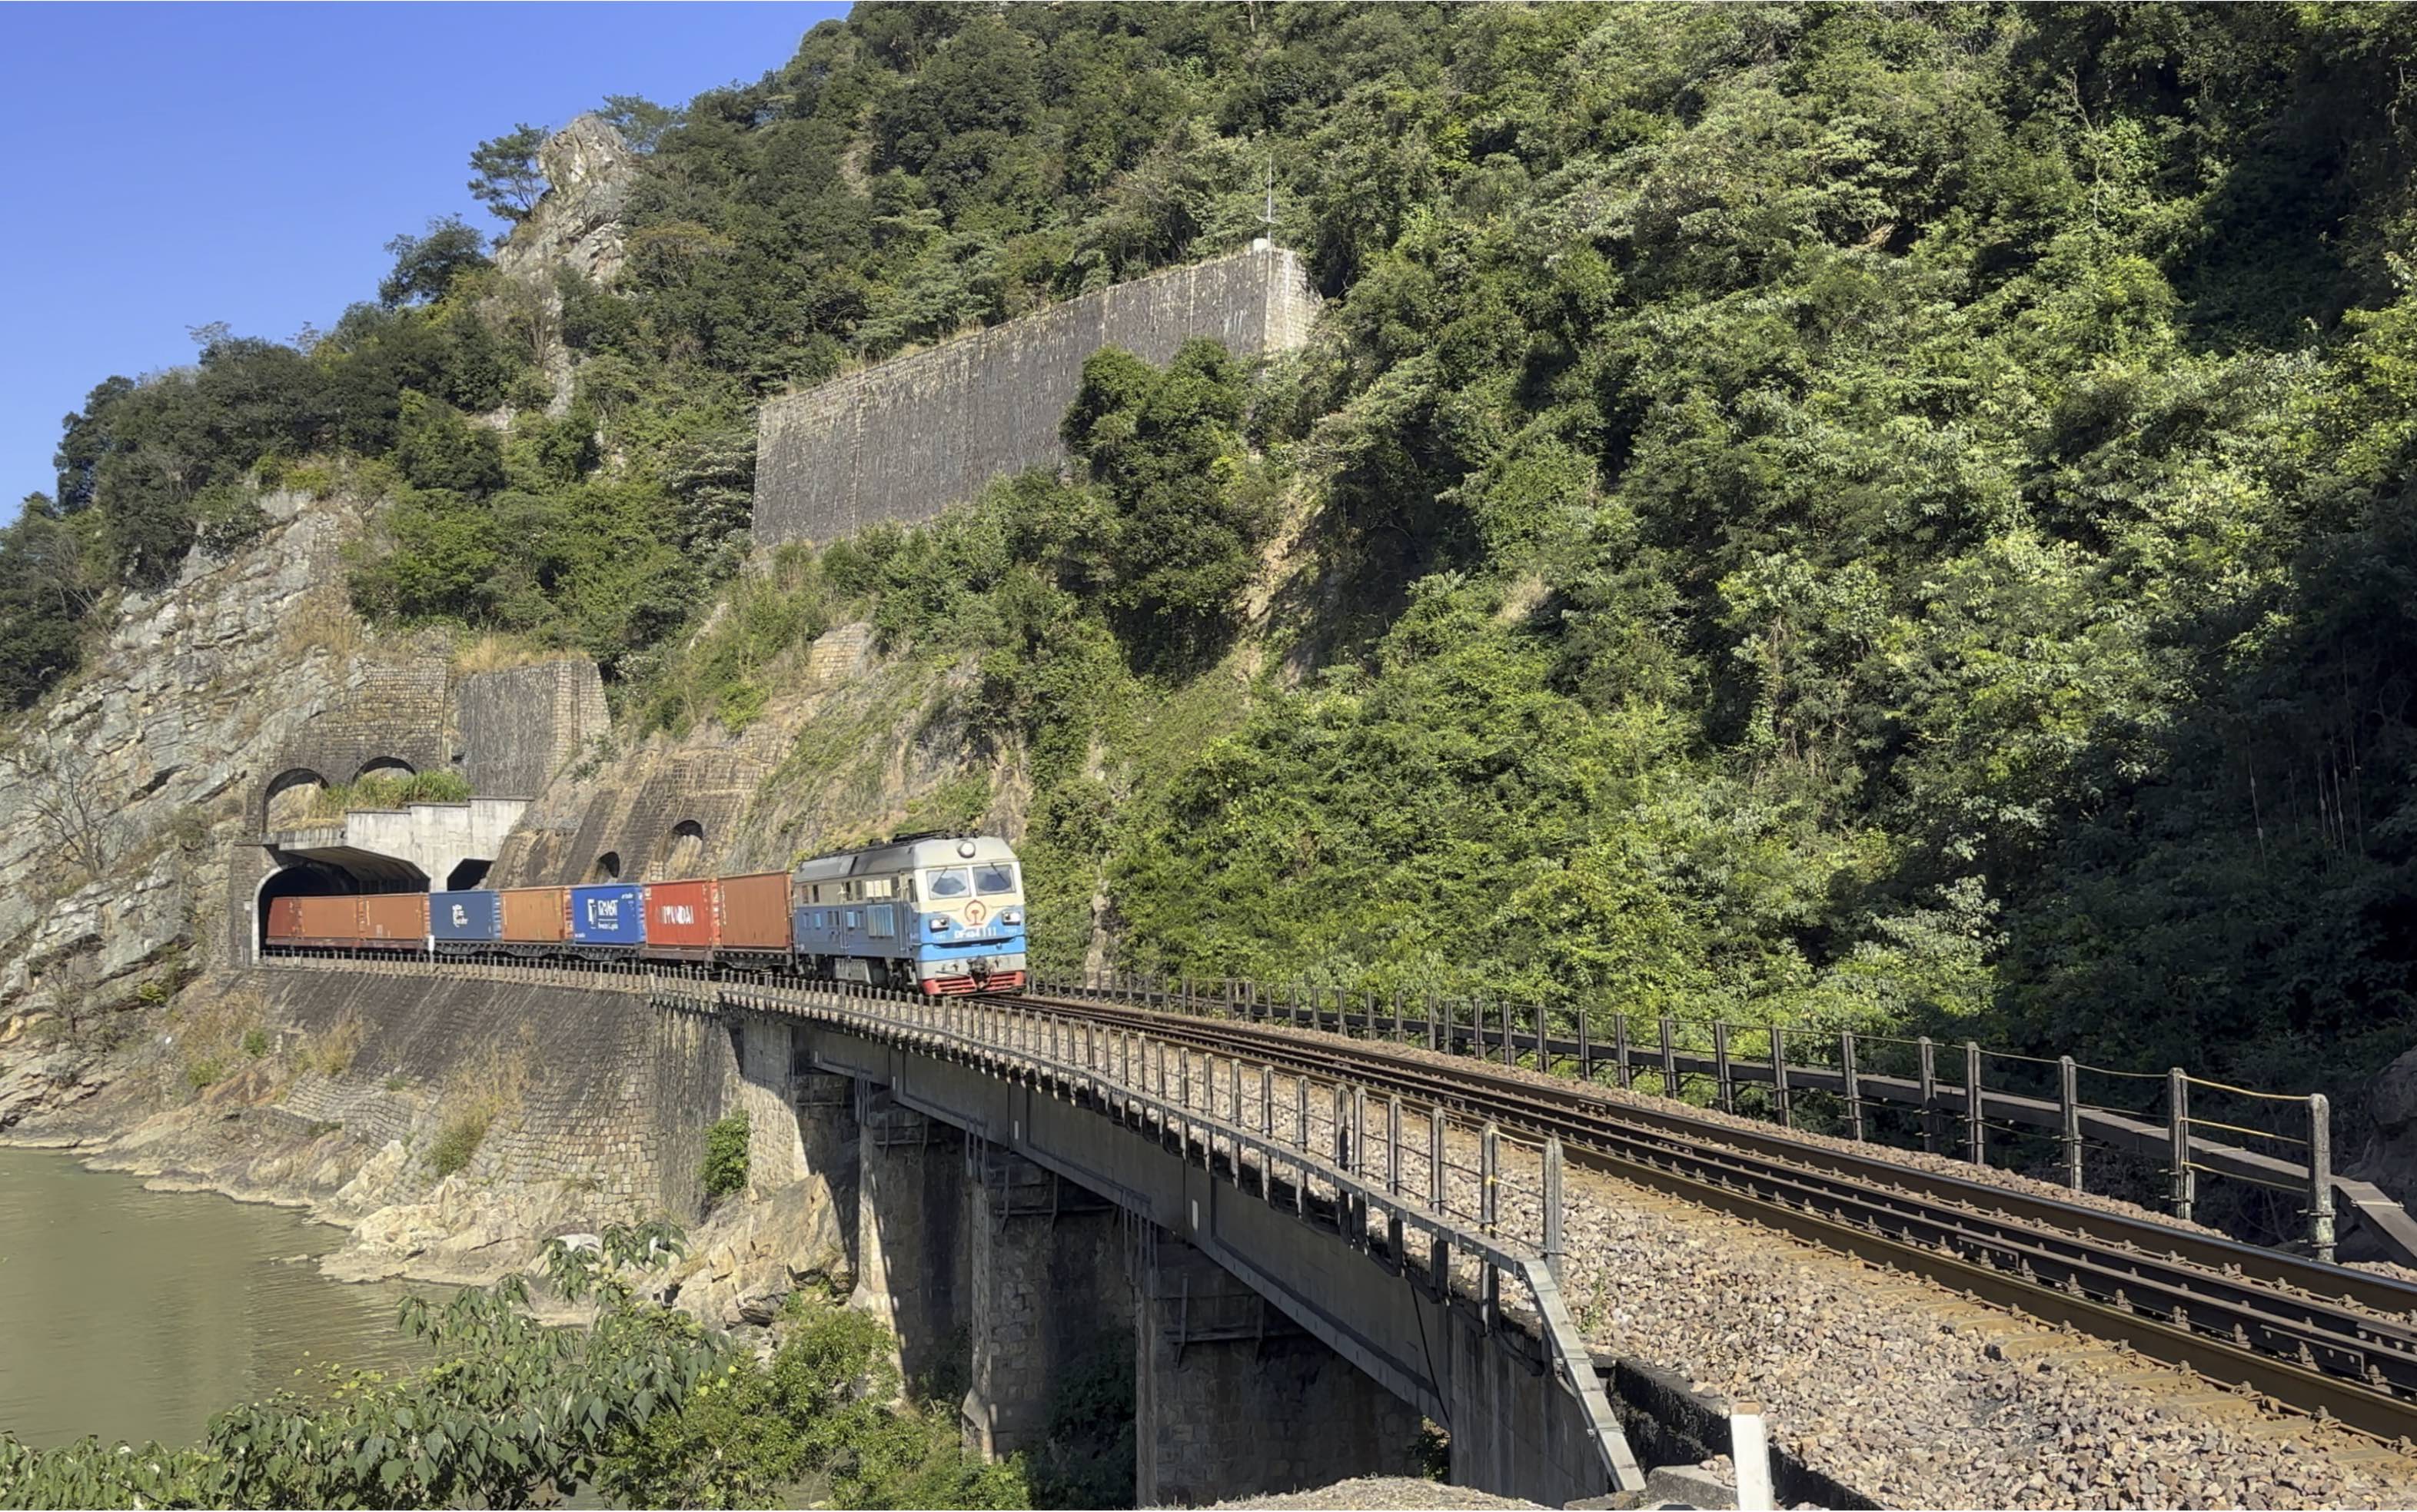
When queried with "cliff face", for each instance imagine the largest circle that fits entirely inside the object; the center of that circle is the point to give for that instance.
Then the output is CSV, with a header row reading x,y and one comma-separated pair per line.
x,y
124,791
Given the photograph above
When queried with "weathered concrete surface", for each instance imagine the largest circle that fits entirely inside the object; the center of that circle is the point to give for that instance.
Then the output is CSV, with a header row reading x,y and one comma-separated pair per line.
x,y
1387,1325
1048,1288
522,724
1233,1399
911,1257
431,837
906,438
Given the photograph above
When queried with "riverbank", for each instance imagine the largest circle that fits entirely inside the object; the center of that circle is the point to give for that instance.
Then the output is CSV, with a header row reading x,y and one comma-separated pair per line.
x,y
450,1130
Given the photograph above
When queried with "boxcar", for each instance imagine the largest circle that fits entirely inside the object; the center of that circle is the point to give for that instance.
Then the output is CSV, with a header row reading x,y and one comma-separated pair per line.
x,y
536,920
754,919
607,920
466,923
394,921
683,920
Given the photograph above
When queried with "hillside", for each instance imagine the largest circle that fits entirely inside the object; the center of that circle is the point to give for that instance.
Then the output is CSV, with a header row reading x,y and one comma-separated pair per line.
x,y
1891,517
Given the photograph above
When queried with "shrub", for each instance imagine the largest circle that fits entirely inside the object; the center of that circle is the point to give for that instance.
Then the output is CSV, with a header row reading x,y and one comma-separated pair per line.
x,y
256,1042
726,1157
457,1142
201,1073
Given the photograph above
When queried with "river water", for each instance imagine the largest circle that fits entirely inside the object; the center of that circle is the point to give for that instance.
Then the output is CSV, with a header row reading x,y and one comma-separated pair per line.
x,y
136,1315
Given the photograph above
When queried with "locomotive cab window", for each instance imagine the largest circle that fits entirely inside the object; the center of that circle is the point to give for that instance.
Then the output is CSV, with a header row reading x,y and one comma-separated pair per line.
x,y
992,878
950,884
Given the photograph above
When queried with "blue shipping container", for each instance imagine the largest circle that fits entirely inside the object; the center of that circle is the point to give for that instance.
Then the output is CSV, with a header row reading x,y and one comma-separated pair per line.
x,y
612,914
466,915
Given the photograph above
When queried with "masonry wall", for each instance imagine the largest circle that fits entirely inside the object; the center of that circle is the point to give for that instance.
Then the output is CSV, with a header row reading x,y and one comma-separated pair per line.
x,y
905,439
520,725
604,1091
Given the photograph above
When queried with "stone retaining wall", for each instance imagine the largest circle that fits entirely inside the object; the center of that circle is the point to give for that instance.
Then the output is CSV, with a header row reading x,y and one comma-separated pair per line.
x,y
903,439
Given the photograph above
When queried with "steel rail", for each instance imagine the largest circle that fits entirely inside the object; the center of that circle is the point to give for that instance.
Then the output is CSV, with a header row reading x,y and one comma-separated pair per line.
x,y
2343,1357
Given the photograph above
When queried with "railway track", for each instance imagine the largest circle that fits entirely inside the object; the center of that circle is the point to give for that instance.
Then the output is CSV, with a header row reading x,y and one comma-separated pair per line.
x,y
2315,1337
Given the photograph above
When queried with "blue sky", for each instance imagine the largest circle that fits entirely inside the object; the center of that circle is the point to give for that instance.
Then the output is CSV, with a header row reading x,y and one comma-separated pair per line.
x,y
173,165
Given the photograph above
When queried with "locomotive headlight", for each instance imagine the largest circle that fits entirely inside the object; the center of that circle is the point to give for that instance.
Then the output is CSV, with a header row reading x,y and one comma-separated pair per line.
x,y
937,924
1011,915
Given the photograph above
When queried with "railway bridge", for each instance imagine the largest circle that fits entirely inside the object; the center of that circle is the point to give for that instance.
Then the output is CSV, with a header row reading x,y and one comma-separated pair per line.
x,y
1315,1239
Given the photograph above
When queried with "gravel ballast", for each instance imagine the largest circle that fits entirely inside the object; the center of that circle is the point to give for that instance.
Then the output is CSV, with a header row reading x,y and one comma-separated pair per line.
x,y
1897,1387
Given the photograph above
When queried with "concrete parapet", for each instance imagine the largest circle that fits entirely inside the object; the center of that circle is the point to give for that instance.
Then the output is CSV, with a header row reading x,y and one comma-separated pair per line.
x,y
1232,1399
906,438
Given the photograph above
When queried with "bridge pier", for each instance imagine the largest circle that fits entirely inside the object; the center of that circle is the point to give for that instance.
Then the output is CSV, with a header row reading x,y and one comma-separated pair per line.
x,y
828,1133
1232,1399
911,1256
1048,1288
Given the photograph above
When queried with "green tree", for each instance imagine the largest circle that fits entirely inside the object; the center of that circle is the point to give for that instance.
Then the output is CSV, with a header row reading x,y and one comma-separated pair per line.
x,y
504,173
426,265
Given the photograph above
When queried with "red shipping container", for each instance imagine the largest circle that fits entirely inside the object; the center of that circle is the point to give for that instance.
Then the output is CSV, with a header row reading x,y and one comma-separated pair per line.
x,y
537,916
755,912
326,921
683,920
396,921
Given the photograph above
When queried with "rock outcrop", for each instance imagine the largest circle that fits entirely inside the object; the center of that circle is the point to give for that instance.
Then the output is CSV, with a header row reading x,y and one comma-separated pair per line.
x,y
578,224
577,227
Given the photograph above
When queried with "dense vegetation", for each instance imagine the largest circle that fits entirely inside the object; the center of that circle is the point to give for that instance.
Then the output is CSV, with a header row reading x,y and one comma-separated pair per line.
x,y
640,1406
1877,514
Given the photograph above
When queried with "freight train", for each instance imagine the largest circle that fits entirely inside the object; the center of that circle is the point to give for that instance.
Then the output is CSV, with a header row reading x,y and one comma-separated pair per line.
x,y
939,913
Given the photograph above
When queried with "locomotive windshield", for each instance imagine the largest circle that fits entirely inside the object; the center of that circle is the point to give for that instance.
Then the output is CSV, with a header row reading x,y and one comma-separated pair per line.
x,y
990,878
951,882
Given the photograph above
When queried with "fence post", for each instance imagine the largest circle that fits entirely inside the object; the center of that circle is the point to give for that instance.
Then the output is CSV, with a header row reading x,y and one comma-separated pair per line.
x,y
1779,1079
2320,1178
1553,1205
1854,1084
1344,1156
1750,1452
1669,1060
1439,1242
1929,1093
1393,1175
1401,1032
1359,1167
1586,1046
2068,1108
1620,1071
2177,1105
1725,1088
1301,1140
1489,1164
1976,1134
1432,1037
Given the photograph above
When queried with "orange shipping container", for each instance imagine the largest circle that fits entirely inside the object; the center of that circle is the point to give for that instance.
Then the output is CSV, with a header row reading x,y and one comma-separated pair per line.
x,y
284,918
396,919
327,921
756,911
536,915
682,920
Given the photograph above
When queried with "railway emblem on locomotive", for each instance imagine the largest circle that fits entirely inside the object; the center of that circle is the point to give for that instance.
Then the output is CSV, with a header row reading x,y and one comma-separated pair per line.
x,y
975,912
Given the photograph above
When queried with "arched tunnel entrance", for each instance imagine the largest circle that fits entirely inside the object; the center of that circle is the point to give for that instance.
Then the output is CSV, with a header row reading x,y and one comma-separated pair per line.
x,y
321,876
